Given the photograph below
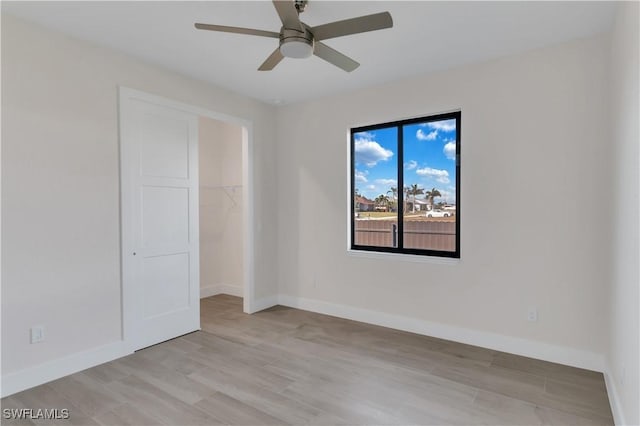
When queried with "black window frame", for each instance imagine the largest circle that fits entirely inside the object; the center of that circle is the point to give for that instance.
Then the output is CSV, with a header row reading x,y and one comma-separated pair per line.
x,y
457,115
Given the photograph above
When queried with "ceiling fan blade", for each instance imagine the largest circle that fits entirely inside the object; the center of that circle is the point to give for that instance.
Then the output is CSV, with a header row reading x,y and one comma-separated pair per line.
x,y
377,21
237,30
273,60
288,14
334,57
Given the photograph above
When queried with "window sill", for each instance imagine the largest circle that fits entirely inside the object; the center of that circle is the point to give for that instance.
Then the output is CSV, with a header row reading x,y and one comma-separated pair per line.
x,y
403,257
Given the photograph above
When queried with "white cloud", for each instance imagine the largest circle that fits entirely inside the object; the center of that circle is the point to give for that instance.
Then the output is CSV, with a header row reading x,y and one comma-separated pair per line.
x,y
365,135
426,136
371,152
441,176
386,182
410,165
444,125
448,196
371,187
361,176
450,150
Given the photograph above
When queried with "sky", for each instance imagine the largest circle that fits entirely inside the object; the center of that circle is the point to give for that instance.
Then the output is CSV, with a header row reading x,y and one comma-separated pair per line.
x,y
429,159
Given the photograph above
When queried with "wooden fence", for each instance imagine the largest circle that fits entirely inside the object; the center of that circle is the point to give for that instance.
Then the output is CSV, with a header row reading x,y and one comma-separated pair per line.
x,y
419,234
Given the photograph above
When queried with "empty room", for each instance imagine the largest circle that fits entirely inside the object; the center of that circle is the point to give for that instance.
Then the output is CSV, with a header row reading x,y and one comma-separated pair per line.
x,y
316,212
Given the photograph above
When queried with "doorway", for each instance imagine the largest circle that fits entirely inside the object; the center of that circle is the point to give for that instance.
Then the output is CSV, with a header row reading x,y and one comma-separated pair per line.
x,y
221,204
160,207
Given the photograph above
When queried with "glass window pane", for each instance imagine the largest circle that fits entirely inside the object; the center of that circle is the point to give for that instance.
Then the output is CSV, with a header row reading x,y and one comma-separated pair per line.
x,y
375,155
429,175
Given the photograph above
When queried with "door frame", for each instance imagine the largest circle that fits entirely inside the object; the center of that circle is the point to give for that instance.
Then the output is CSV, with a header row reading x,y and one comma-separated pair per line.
x,y
125,95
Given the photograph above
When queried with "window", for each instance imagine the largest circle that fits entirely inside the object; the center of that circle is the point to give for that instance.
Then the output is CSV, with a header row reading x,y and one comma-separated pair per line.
x,y
405,186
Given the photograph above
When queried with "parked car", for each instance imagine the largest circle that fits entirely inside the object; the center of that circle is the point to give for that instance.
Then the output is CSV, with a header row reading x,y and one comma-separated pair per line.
x,y
438,213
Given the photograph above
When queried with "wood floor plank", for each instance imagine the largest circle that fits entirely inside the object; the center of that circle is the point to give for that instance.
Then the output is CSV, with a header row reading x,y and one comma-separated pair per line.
x,y
86,393
575,399
340,402
154,401
127,415
174,383
558,372
501,409
279,406
106,373
287,366
551,416
495,379
235,412
432,412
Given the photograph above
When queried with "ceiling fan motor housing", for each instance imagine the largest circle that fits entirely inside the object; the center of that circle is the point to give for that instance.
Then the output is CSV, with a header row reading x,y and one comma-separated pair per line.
x,y
300,5
296,44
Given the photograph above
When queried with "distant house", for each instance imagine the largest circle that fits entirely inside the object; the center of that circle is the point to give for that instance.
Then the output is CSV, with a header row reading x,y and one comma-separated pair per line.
x,y
420,205
364,204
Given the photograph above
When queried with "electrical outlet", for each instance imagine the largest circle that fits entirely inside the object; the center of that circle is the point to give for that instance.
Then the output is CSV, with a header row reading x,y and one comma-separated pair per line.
x,y
532,314
37,334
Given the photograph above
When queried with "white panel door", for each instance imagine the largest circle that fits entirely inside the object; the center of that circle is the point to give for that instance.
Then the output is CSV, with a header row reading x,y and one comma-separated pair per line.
x,y
159,221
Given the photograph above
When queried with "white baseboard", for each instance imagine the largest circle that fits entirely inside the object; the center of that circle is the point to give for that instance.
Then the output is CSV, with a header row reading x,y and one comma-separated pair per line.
x,y
212,290
515,345
614,399
55,369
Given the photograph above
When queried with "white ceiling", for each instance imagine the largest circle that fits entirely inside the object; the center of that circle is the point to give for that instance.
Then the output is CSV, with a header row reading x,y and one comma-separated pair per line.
x,y
426,36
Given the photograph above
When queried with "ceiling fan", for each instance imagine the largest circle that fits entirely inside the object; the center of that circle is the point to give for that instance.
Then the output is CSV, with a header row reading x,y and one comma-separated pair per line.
x,y
298,40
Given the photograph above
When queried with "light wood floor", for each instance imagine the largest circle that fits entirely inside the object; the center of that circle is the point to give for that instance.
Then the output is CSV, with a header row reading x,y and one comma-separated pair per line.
x,y
286,366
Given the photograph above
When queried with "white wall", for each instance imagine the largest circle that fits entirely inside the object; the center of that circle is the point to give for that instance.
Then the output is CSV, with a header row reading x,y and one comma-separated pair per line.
x,y
624,332
60,197
221,226
535,162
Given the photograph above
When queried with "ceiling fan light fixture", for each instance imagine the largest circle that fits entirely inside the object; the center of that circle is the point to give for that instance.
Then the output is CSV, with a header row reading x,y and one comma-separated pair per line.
x,y
299,40
296,48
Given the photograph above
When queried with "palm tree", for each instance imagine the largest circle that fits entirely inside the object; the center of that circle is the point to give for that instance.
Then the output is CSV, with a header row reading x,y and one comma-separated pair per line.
x,y
394,195
430,195
404,199
414,190
382,200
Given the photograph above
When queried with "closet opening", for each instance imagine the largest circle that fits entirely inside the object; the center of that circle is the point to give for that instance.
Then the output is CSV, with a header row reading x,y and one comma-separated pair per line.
x,y
223,226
